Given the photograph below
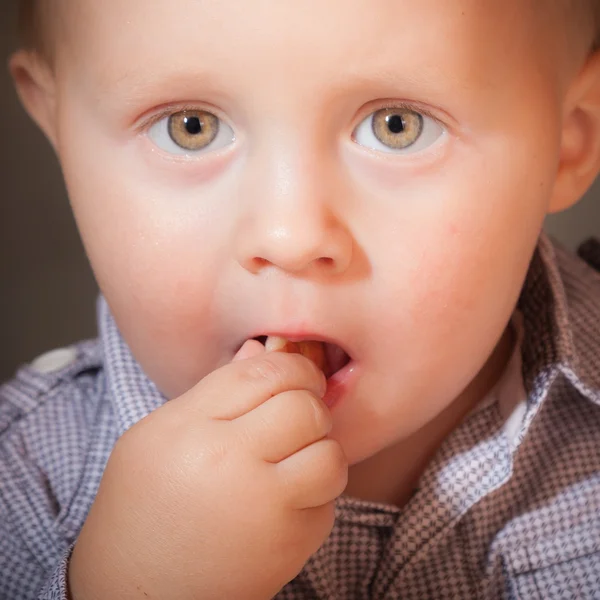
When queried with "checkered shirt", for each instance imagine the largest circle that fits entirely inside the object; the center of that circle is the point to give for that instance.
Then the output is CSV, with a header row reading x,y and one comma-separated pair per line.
x,y
496,515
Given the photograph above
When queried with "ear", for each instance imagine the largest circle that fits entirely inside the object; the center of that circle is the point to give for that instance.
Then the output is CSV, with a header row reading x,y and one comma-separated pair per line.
x,y
36,88
580,146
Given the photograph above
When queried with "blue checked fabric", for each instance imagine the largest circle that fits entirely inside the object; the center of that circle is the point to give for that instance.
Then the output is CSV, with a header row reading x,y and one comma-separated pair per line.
x,y
495,516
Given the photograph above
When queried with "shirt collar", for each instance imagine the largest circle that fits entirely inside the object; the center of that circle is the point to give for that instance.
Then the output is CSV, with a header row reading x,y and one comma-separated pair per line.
x,y
561,316
132,393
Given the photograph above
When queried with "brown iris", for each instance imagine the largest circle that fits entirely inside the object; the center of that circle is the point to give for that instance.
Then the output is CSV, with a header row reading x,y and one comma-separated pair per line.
x,y
397,128
193,129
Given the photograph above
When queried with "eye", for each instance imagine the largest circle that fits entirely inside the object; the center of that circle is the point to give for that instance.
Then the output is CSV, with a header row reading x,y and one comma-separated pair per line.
x,y
397,130
189,132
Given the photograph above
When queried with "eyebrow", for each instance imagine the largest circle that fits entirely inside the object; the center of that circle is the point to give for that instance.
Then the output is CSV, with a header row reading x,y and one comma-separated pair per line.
x,y
133,85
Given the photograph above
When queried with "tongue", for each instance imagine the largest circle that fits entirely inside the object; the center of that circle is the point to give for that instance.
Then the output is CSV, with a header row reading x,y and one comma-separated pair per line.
x,y
336,358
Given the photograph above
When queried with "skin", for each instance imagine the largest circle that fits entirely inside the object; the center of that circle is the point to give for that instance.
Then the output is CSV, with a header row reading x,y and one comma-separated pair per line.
x,y
413,262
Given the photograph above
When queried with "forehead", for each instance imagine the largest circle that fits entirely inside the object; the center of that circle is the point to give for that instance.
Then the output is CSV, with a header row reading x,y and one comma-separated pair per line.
x,y
120,45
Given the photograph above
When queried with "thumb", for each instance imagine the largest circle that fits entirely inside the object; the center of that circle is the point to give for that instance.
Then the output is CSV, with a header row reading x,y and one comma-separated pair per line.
x,y
249,349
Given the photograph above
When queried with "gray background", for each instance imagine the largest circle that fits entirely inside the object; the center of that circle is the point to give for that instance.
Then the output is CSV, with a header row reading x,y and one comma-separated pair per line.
x,y
47,292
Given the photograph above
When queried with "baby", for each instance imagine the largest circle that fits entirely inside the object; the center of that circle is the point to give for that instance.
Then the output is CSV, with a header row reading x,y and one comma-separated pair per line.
x,y
337,356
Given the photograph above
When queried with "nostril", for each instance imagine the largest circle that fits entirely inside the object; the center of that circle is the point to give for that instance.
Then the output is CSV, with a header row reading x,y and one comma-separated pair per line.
x,y
328,262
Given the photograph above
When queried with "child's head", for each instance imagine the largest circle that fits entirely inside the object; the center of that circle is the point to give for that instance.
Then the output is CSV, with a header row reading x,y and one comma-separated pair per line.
x,y
40,20
375,172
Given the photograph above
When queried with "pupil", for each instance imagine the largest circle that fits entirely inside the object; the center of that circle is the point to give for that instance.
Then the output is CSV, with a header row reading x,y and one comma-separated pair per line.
x,y
395,123
193,125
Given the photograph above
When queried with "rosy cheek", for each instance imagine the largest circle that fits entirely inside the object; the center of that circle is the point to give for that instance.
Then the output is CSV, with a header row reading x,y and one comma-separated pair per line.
x,y
453,230
446,280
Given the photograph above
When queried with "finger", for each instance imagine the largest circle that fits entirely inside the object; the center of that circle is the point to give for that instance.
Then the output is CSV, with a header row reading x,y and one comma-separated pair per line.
x,y
284,424
241,386
315,475
248,350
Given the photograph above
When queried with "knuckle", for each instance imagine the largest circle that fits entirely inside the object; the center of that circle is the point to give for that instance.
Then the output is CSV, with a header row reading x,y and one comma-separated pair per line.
x,y
266,370
316,373
337,464
213,457
329,516
322,420
325,519
308,369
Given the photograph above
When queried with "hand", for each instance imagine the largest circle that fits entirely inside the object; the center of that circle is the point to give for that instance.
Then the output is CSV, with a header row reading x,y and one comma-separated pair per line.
x,y
224,492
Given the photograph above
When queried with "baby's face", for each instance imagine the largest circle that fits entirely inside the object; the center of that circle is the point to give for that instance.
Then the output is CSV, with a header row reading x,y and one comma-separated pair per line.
x,y
373,172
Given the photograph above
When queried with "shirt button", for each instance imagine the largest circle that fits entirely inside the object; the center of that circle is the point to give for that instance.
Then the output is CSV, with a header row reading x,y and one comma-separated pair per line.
x,y
55,360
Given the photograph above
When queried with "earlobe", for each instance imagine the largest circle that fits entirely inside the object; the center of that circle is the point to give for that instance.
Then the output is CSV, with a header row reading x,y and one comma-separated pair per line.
x,y
580,145
35,86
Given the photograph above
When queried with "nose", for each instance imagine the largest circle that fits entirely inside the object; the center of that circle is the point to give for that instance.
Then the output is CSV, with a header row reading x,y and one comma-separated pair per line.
x,y
291,220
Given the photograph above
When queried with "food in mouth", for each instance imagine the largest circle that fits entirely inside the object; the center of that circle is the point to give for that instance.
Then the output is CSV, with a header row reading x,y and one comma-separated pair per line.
x,y
311,349
330,358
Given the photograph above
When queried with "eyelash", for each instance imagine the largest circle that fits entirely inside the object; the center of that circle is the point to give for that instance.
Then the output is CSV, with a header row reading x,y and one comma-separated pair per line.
x,y
173,109
398,104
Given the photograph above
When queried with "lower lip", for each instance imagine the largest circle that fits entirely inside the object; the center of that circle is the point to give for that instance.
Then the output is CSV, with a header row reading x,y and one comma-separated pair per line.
x,y
340,384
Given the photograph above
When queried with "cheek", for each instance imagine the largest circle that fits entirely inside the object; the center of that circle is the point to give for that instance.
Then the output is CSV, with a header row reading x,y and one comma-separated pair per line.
x,y
468,273
456,266
146,239
148,248
143,249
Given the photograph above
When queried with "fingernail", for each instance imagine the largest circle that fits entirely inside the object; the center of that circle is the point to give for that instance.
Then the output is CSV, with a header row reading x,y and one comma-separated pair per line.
x,y
249,349
242,352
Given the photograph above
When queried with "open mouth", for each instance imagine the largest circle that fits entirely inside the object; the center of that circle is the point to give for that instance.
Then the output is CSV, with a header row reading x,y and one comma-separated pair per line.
x,y
329,357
